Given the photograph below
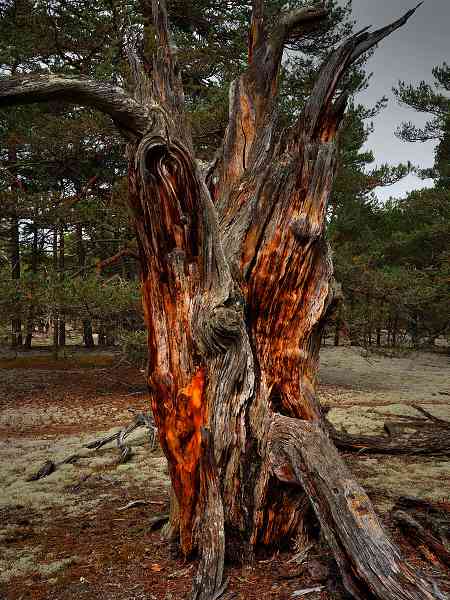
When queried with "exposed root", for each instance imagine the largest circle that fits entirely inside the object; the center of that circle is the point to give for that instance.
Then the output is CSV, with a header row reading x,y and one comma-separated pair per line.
x,y
371,565
207,584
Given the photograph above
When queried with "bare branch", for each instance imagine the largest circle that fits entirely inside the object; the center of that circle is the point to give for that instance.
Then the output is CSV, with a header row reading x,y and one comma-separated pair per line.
x,y
295,18
321,117
368,40
107,262
130,117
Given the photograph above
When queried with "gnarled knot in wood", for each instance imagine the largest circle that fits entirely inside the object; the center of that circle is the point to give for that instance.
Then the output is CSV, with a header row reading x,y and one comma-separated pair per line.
x,y
159,154
216,327
306,230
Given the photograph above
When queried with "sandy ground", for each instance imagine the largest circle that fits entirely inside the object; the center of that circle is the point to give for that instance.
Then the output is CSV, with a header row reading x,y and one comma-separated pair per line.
x,y
366,392
65,537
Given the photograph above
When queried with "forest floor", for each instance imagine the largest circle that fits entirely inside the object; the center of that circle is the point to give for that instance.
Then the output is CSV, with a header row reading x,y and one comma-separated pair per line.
x,y
66,537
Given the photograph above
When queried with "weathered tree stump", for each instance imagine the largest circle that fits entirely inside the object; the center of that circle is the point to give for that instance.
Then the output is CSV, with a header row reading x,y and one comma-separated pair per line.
x,y
237,285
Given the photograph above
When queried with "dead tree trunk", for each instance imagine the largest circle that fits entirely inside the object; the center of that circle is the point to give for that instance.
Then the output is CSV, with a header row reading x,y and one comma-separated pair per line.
x,y
237,285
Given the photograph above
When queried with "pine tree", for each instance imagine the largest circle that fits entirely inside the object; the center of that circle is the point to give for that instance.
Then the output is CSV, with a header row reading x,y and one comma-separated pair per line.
x,y
433,100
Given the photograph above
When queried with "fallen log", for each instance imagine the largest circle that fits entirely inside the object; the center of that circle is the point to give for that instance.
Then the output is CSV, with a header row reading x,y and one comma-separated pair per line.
x,y
430,438
441,422
432,516
140,420
420,537
410,502
420,443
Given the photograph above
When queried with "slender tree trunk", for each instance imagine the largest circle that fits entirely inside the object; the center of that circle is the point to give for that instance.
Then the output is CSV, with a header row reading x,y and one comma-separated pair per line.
x,y
337,329
33,268
378,337
110,337
101,335
16,323
415,330
62,331
369,320
394,331
88,338
61,270
30,330
55,315
55,335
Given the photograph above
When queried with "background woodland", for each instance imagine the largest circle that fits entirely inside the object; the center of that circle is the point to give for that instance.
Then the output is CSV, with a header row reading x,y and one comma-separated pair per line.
x,y
69,266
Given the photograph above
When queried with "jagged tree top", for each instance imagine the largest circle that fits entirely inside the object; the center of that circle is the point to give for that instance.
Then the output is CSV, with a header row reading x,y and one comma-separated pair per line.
x,y
133,116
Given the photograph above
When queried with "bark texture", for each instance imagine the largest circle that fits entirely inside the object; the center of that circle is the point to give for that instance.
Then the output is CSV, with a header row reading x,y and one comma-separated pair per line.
x,y
371,566
237,283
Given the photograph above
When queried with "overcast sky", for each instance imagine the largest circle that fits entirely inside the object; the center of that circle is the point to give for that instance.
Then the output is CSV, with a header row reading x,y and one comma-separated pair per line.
x,y
408,54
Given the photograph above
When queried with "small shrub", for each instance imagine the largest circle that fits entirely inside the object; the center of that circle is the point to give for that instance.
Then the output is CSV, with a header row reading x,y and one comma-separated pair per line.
x,y
134,347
